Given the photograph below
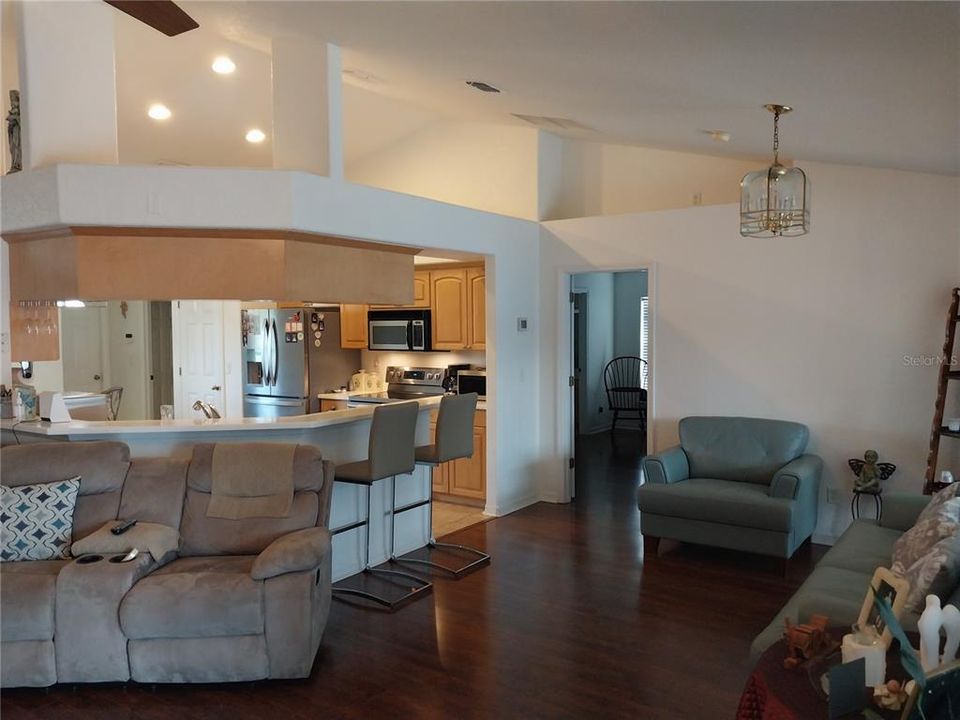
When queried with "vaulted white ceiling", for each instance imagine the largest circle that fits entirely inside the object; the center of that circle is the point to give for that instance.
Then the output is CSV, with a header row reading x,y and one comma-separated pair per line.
x,y
873,83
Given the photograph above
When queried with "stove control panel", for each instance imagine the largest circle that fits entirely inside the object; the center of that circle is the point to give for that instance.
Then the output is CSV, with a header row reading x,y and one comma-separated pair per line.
x,y
415,375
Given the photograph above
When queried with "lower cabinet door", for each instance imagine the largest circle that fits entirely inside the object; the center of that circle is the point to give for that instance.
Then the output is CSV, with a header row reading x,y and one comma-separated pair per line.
x,y
469,476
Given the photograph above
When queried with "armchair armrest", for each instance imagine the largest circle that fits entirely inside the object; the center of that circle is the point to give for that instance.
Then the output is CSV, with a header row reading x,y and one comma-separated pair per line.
x,y
667,467
299,551
900,510
798,478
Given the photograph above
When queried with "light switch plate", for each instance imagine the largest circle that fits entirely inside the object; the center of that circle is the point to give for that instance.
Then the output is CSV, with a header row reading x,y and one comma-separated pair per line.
x,y
521,324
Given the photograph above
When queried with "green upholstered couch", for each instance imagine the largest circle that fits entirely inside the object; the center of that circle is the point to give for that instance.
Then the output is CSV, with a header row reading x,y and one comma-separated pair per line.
x,y
838,585
733,482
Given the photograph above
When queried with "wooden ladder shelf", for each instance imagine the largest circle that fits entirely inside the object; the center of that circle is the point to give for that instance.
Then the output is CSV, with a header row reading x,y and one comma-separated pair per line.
x,y
946,373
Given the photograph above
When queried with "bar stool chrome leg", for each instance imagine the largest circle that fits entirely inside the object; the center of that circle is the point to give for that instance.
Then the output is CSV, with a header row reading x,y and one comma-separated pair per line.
x,y
482,558
420,586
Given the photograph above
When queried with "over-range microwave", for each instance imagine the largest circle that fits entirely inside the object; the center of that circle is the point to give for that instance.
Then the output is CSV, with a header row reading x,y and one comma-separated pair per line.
x,y
402,330
472,381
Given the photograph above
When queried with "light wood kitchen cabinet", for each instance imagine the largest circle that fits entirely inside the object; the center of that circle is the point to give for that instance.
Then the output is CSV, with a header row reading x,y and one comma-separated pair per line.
x,y
353,327
421,288
448,289
464,479
476,309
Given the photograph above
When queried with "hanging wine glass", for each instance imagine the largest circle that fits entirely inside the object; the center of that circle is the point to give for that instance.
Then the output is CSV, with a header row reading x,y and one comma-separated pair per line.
x,y
49,325
27,309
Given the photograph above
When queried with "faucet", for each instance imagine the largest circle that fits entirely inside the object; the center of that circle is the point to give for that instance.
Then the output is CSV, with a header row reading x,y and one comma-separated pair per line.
x,y
208,410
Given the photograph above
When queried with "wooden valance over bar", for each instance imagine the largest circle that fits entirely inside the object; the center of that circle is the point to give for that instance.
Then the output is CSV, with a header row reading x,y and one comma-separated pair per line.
x,y
109,263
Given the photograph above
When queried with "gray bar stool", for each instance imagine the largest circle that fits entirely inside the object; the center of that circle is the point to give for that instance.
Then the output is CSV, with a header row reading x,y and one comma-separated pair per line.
x,y
392,437
454,440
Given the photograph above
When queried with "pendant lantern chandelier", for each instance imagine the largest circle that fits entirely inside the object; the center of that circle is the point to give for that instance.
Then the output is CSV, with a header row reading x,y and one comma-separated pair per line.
x,y
775,201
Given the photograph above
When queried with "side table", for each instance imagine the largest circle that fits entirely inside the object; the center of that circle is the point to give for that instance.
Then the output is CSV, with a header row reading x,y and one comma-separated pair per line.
x,y
855,504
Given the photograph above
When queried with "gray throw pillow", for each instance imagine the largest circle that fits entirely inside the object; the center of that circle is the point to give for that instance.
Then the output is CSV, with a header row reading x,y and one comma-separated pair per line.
x,y
36,521
928,554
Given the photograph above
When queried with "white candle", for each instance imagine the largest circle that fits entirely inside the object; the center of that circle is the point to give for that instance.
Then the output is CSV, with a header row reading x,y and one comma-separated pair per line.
x,y
875,655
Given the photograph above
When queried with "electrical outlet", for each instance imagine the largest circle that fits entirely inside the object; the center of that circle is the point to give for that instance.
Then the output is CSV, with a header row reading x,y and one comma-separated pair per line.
x,y
833,496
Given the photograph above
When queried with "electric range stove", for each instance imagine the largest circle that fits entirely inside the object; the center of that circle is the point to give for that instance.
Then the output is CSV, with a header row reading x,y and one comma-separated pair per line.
x,y
405,383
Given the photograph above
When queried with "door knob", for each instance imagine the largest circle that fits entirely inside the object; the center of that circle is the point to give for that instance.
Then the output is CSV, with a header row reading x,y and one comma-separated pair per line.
x,y
96,377
216,387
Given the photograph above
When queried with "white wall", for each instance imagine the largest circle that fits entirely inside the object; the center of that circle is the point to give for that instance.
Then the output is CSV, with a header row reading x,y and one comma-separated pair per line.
x,y
813,329
594,415
607,179
488,167
129,363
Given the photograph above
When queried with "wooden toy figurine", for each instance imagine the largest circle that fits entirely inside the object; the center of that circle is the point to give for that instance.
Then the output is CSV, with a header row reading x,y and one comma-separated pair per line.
x,y
806,641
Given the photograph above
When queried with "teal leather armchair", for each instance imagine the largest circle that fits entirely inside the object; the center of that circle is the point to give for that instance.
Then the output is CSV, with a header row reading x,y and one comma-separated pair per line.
x,y
732,482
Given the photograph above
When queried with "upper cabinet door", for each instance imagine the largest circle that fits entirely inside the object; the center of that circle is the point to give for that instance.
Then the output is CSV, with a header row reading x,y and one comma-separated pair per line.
x,y
353,327
421,288
476,309
448,290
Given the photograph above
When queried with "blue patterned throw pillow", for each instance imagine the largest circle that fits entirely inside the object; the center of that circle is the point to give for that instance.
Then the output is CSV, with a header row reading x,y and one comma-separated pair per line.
x,y
36,521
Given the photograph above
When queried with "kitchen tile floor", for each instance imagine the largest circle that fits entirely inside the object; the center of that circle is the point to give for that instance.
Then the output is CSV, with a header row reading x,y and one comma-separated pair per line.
x,y
449,517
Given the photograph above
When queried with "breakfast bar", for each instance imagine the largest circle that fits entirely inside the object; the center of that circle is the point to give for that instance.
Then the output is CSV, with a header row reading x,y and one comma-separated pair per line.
x,y
341,435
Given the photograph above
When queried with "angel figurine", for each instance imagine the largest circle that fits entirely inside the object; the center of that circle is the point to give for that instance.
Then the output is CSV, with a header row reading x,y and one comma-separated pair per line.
x,y
869,472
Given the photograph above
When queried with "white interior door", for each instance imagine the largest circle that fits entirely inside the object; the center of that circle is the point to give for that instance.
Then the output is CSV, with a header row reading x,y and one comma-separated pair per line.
x,y
82,334
198,350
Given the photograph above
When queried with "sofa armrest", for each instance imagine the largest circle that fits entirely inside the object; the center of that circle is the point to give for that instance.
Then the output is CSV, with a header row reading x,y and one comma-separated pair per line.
x,y
900,510
798,478
299,551
667,467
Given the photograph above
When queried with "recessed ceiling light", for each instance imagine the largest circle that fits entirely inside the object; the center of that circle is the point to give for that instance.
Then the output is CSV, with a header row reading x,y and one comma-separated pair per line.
x,y
717,135
159,111
223,65
255,135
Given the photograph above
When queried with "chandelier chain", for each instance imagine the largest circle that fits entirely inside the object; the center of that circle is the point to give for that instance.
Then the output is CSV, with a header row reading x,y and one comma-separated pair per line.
x,y
776,137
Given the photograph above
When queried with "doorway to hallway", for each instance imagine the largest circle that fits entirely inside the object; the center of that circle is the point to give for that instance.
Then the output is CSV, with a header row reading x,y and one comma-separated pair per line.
x,y
610,359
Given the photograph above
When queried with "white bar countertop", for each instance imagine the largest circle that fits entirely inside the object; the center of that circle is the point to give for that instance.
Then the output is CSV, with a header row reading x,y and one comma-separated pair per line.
x,y
198,425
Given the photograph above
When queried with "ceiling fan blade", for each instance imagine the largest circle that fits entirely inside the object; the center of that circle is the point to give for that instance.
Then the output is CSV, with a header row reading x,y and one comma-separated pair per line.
x,y
162,15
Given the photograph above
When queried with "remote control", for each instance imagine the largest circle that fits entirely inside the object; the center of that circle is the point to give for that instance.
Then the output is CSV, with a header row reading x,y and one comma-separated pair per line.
x,y
122,527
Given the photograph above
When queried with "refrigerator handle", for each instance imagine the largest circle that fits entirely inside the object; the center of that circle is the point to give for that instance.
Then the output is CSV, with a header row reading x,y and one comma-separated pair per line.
x,y
276,353
265,355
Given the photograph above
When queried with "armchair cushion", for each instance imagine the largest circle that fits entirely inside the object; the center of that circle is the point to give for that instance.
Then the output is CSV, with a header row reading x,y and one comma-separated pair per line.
x,y
669,466
738,448
296,552
726,502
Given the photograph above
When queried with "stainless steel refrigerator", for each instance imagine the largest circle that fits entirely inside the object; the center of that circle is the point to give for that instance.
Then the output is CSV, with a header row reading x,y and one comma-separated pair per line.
x,y
290,355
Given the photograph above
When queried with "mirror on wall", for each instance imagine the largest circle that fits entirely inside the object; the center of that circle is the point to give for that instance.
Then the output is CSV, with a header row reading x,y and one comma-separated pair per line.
x,y
119,348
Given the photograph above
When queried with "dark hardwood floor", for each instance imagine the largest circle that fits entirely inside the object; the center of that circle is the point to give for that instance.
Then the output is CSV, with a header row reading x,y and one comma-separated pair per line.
x,y
569,621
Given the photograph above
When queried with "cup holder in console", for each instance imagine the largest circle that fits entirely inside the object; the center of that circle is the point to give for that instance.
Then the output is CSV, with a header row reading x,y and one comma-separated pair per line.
x,y
87,559
118,558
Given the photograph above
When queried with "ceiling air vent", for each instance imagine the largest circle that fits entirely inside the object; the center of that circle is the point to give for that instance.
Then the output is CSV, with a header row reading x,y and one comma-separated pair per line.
x,y
555,124
482,86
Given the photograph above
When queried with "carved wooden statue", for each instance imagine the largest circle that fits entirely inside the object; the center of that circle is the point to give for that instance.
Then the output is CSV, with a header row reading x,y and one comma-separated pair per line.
x,y
13,133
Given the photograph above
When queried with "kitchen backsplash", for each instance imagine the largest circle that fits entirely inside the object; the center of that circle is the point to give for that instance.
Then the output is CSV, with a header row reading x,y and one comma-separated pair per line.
x,y
377,361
